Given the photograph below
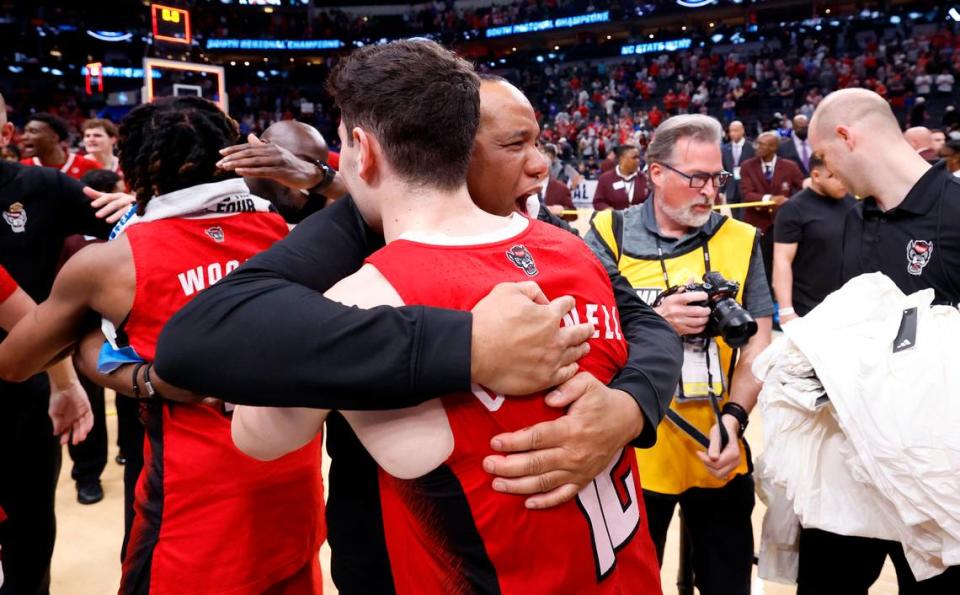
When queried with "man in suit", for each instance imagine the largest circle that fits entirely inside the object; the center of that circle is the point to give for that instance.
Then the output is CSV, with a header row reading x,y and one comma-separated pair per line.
x,y
734,153
770,179
623,186
797,148
921,139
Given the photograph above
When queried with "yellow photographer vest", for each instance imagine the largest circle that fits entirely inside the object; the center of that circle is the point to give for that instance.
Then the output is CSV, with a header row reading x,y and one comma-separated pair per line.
x,y
671,466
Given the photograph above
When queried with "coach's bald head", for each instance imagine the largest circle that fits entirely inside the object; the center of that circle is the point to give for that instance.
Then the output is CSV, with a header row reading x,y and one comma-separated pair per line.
x,y
305,142
856,133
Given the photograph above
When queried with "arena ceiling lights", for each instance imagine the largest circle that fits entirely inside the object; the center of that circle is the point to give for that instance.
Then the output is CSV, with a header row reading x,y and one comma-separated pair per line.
x,y
549,24
696,3
110,36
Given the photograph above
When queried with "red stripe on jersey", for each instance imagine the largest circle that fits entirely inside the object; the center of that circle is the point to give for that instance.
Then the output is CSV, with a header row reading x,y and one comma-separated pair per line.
x,y
210,519
598,543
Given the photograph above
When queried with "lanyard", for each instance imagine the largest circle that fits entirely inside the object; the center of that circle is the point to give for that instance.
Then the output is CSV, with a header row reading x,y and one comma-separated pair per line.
x,y
663,264
714,398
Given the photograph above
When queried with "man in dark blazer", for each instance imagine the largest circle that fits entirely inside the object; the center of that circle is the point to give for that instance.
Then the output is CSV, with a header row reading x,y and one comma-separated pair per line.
x,y
734,153
797,147
623,186
557,198
770,179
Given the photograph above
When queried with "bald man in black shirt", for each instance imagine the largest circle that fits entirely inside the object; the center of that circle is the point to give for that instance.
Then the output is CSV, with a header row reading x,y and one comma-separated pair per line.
x,y
908,228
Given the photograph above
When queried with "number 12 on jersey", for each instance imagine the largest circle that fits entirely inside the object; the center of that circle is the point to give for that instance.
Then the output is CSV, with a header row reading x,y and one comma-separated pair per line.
x,y
611,506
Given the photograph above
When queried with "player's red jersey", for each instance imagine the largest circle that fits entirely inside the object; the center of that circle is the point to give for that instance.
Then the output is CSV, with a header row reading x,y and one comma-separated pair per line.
x,y
210,519
75,166
449,531
7,284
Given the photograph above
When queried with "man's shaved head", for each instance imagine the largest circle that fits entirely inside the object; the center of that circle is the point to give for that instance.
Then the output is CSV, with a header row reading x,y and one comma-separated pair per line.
x,y
860,107
736,131
856,133
305,142
919,137
301,139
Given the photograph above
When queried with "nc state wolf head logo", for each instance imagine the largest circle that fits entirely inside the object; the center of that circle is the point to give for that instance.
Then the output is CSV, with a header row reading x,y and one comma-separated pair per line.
x,y
215,232
16,217
520,256
918,255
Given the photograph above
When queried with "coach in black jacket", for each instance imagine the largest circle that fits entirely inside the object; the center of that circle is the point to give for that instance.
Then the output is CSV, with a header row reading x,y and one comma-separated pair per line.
x,y
381,358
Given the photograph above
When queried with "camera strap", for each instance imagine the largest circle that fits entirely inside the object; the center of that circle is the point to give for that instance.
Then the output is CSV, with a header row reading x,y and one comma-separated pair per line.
x,y
672,414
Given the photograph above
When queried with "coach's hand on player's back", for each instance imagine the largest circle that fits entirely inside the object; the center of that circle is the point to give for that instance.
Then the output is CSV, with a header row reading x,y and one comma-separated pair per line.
x,y
518,345
554,460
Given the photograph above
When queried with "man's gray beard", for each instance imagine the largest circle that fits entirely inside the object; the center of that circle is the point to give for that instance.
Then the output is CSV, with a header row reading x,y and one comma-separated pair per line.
x,y
686,216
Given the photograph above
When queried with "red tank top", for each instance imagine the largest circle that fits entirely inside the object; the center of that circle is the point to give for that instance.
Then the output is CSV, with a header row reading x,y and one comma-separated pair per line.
x,y
448,531
210,519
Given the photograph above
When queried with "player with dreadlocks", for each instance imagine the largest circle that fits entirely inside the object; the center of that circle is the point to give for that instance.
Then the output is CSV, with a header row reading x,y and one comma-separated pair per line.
x,y
208,518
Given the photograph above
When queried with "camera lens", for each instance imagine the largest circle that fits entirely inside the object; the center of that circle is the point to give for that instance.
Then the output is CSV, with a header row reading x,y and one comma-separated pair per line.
x,y
733,322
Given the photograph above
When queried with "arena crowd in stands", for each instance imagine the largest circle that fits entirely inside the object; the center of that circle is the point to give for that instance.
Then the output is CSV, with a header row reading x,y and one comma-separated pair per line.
x,y
589,107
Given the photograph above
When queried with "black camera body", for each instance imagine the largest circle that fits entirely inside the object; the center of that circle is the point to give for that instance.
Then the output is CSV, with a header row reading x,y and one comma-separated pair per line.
x,y
728,319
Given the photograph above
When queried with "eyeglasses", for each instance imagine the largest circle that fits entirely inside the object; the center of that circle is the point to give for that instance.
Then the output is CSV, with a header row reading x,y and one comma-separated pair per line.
x,y
698,181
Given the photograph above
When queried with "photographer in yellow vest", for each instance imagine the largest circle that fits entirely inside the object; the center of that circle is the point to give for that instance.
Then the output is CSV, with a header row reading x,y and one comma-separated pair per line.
x,y
703,272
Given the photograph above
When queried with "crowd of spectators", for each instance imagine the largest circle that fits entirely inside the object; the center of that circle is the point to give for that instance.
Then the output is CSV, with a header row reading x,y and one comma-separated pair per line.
x,y
442,20
588,109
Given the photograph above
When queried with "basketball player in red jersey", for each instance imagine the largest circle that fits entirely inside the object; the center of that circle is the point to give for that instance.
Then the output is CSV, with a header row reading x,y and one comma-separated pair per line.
x,y
410,113
208,518
42,138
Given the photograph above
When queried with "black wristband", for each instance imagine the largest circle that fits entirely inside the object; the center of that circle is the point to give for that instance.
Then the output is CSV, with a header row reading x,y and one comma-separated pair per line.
x,y
739,413
328,175
151,393
136,385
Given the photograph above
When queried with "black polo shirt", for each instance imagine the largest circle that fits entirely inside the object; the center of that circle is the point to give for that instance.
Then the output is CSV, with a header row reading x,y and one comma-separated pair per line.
x,y
916,244
39,208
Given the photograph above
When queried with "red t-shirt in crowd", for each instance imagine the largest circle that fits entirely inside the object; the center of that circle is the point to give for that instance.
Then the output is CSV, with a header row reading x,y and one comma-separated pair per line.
x,y
75,166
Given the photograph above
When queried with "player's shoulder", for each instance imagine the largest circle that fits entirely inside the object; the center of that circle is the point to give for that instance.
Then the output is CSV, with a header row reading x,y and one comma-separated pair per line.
x,y
366,288
99,264
555,234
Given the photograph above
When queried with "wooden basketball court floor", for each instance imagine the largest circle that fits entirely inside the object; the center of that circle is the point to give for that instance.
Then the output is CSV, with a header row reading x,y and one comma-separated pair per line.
x,y
86,560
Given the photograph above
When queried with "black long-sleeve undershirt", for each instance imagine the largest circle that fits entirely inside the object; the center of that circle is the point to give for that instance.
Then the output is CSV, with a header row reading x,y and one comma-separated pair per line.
x,y
265,335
